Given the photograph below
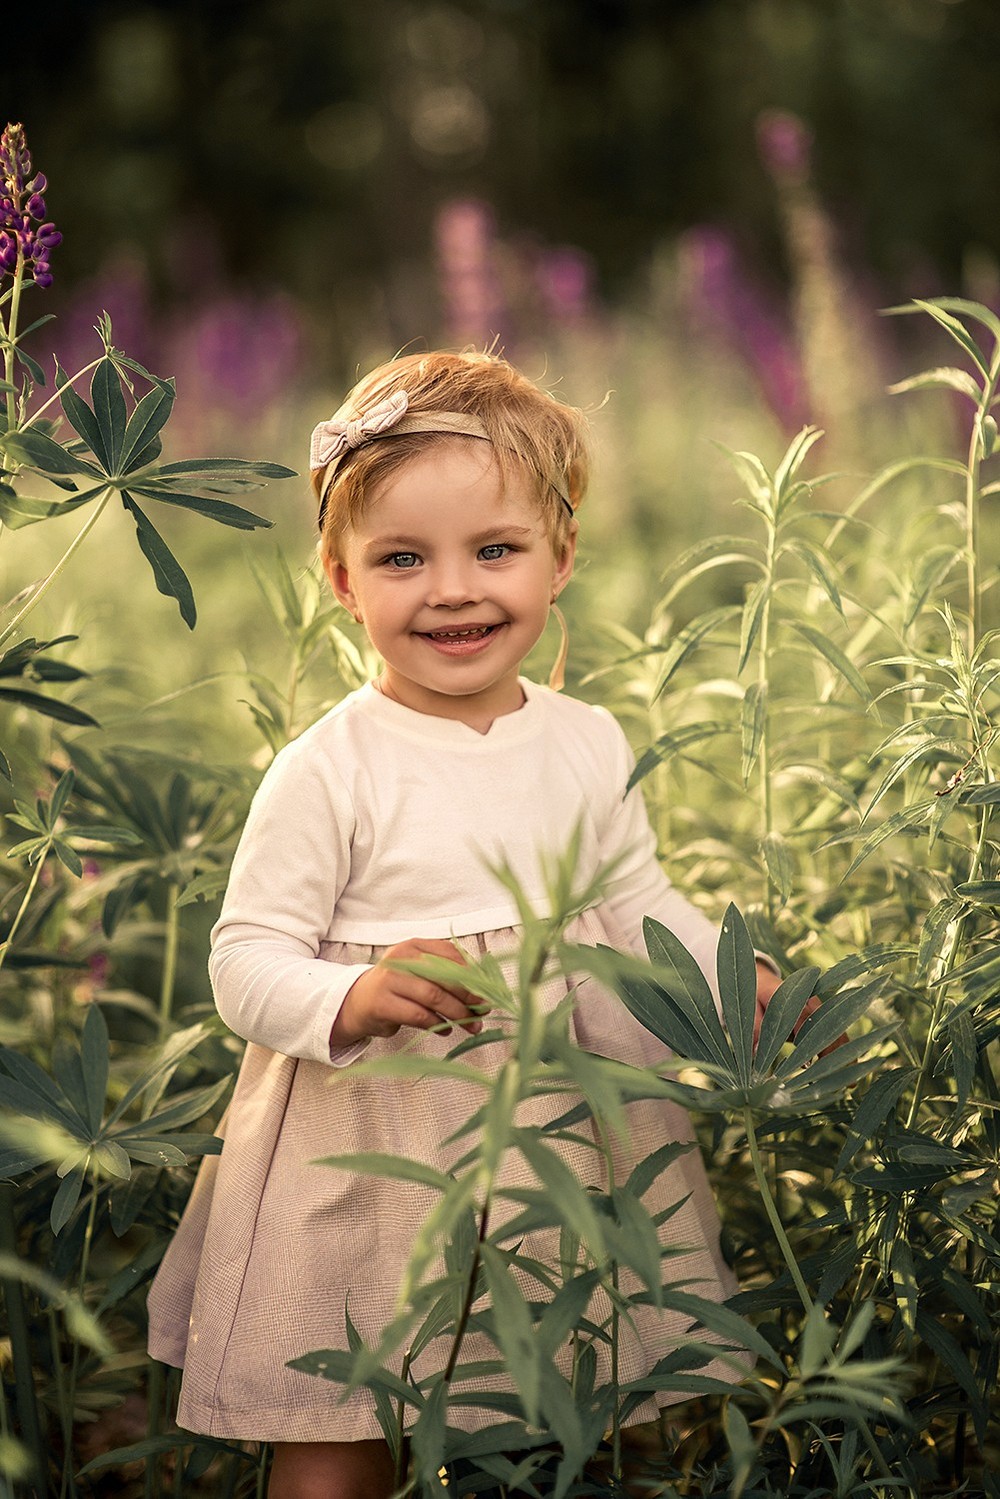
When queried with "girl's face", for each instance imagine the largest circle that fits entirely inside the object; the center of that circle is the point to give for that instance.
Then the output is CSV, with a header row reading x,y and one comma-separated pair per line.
x,y
452,577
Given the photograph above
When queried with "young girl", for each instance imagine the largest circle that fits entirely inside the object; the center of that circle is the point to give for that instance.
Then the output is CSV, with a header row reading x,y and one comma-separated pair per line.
x,y
447,485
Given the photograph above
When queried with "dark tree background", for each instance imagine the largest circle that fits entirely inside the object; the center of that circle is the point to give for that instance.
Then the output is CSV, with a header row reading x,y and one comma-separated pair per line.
x,y
309,143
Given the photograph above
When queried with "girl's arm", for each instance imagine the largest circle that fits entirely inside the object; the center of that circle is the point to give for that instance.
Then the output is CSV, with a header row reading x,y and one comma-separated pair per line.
x,y
271,985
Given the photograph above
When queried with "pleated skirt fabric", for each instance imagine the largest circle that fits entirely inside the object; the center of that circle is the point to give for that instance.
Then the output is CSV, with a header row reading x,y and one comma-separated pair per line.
x,y
273,1246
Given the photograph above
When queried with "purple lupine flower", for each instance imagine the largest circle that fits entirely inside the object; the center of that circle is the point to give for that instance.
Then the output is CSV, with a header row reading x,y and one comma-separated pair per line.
x,y
785,144
19,239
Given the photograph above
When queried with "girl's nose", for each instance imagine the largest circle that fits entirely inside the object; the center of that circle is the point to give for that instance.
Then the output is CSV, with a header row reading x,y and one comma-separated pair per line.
x,y
452,585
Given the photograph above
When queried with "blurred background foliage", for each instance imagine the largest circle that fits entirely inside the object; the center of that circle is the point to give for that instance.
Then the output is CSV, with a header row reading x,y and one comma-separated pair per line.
x,y
697,207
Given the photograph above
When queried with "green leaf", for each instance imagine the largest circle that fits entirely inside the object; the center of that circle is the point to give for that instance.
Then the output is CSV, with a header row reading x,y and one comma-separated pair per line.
x,y
146,421
754,475
49,707
873,1110
247,470
396,1168
678,990
798,450
737,966
835,656
752,720
689,638
18,511
962,1035
218,510
28,446
904,1282
751,619
933,566
204,886
31,365
675,742
825,1026
783,1010
910,820
779,863
950,324
727,1325
170,577
652,1166
944,378
66,1199
109,409
569,1195
514,1330
95,1062
819,566
83,420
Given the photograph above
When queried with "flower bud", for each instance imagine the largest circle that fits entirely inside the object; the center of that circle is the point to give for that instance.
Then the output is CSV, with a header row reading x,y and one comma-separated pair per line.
x,y
39,184
36,206
48,236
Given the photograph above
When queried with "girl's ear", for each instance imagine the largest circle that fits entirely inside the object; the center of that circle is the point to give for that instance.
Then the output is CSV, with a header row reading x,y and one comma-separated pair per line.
x,y
564,560
340,582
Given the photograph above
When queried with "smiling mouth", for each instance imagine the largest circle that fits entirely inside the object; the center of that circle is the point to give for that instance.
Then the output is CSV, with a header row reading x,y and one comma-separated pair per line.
x,y
474,632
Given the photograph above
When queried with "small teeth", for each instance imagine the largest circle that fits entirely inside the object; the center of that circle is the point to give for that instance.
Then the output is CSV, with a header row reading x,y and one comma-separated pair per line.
x,y
459,634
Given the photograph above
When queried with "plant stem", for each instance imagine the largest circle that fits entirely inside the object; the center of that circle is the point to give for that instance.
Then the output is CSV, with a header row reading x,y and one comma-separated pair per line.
x,y
70,380
88,1238
8,942
168,977
154,1425
764,749
47,583
20,1346
787,1252
470,1294
10,332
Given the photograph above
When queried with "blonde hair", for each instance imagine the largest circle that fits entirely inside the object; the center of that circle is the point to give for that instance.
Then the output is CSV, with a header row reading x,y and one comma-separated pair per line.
x,y
531,433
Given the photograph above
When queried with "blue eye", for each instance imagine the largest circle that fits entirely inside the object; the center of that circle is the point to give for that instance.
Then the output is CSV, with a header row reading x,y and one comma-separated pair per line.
x,y
403,560
494,551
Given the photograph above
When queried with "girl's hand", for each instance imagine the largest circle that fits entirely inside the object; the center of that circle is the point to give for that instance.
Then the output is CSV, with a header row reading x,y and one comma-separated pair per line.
x,y
382,1000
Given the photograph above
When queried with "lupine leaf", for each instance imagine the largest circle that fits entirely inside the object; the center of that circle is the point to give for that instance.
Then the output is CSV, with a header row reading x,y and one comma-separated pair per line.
x,y
95,1062
83,420
170,577
873,1110
49,707
146,421
218,510
825,1026
28,446
66,1199
783,1010
109,410
737,968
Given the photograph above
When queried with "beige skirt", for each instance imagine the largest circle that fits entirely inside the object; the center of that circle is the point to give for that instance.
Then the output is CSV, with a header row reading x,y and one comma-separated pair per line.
x,y
273,1246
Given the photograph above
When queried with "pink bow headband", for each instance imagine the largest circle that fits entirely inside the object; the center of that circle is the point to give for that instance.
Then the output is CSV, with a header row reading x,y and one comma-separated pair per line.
x,y
332,440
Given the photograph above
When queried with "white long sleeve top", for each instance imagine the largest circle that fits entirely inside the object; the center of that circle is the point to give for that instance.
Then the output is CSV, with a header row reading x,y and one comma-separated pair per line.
x,y
380,823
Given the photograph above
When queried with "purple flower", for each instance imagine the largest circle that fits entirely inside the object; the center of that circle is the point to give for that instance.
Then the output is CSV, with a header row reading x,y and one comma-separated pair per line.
x,y
20,243
785,144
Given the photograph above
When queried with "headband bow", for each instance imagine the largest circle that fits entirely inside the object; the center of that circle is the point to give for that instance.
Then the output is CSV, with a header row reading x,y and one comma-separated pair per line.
x,y
332,438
